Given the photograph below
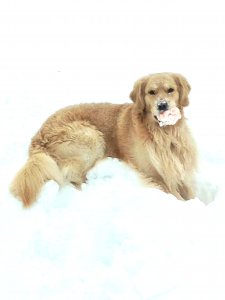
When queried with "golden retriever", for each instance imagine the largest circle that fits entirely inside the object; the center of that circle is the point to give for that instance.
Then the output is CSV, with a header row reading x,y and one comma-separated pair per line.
x,y
72,140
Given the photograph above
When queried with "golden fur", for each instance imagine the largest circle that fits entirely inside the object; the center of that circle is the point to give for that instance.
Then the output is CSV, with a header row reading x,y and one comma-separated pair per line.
x,y
73,139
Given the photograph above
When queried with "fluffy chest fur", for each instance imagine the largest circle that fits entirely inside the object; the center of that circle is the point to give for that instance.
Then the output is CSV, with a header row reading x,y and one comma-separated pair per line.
x,y
167,154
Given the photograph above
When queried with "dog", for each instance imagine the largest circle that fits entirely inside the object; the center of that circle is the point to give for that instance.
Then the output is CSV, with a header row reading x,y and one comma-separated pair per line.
x,y
75,138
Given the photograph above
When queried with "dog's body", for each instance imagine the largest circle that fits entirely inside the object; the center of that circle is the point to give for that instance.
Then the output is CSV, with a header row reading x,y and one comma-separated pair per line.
x,y
73,139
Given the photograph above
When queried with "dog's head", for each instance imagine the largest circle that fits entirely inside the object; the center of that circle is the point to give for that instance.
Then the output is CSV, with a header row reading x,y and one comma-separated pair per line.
x,y
156,93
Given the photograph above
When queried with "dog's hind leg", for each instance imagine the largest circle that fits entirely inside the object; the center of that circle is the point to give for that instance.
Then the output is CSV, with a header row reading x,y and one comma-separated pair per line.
x,y
80,146
74,171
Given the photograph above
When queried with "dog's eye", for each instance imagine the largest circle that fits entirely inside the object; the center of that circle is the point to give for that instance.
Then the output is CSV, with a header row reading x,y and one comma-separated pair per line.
x,y
152,92
170,90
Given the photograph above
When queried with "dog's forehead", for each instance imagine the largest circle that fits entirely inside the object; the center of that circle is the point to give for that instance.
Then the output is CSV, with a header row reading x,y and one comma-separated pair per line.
x,y
155,82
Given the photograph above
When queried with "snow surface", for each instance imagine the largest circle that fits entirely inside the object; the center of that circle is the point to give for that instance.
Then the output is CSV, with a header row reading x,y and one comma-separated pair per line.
x,y
114,240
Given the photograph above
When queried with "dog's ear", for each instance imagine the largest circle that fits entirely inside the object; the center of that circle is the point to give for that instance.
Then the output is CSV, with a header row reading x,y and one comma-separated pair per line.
x,y
184,89
138,94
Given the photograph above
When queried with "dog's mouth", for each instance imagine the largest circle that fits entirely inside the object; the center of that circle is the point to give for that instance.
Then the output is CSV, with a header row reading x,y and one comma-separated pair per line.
x,y
156,118
158,121
159,116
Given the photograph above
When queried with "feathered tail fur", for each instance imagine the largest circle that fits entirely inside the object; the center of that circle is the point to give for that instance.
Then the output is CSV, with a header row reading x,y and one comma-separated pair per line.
x,y
27,183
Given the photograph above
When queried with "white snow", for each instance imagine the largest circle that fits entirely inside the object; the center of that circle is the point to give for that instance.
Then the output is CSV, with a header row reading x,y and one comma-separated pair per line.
x,y
115,240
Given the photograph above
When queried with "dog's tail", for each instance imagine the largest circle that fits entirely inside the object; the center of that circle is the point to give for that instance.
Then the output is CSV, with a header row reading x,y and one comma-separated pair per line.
x,y
27,183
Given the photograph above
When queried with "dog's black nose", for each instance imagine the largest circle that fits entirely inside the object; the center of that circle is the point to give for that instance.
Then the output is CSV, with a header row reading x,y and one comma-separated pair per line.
x,y
163,105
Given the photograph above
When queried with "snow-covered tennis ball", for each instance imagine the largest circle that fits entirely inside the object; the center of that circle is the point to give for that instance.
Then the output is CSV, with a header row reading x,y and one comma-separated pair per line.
x,y
169,117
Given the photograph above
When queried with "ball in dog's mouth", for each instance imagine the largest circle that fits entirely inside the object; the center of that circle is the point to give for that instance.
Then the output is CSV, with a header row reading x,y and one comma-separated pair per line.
x,y
169,117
